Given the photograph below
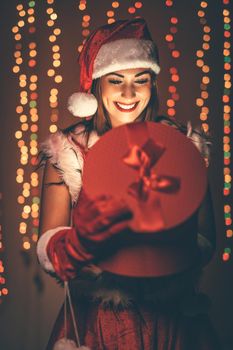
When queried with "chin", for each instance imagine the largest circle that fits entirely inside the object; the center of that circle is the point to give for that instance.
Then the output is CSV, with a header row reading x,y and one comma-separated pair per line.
x,y
123,121
122,118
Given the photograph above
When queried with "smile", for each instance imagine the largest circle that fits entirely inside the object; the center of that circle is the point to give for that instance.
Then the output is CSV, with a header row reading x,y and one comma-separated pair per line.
x,y
126,107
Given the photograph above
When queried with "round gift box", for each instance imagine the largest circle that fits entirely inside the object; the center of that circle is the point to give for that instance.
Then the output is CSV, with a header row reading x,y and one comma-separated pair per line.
x,y
162,237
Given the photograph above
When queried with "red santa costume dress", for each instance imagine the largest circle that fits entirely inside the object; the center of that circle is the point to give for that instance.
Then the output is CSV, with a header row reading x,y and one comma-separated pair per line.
x,y
116,312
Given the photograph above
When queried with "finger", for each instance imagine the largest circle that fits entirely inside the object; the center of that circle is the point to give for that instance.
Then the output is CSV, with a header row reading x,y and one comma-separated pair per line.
x,y
109,203
92,208
120,227
105,222
100,222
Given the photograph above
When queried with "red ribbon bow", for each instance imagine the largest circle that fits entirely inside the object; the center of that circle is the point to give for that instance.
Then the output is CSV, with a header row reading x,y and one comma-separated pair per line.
x,y
143,159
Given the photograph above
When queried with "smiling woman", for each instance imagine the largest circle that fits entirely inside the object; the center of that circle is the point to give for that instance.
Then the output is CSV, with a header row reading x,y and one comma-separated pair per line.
x,y
126,94
119,64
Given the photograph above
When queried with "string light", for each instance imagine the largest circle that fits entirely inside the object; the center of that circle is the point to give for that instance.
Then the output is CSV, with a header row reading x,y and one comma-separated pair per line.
x,y
226,100
85,23
82,5
25,64
202,100
112,13
175,54
115,4
3,288
53,72
133,9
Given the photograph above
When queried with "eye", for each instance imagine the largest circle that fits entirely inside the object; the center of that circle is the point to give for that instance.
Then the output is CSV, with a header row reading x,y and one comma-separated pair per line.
x,y
114,81
142,81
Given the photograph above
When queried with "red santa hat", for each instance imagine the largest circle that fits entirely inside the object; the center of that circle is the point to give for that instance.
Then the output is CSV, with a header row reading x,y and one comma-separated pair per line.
x,y
125,44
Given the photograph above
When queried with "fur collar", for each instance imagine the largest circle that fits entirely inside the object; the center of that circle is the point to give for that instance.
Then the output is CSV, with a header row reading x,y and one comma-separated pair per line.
x,y
200,141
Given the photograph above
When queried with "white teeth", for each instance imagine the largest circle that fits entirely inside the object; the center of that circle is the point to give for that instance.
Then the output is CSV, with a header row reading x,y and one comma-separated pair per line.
x,y
126,106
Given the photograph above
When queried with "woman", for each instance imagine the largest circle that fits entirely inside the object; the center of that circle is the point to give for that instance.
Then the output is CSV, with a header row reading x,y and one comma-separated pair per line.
x,y
119,64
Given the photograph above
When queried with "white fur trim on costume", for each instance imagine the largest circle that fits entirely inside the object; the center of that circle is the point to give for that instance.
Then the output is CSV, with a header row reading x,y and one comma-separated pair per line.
x,y
67,160
67,157
202,144
82,104
41,248
111,296
125,54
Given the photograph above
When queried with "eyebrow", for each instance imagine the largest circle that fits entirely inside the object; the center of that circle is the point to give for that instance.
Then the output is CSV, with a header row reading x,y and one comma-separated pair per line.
x,y
141,73
122,76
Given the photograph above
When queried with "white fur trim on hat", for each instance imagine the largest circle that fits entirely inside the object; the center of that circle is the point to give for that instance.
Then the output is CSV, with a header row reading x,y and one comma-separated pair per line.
x,y
82,104
41,248
125,54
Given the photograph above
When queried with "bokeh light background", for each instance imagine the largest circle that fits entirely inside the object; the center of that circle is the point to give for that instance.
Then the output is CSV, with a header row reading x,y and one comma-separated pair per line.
x,y
40,43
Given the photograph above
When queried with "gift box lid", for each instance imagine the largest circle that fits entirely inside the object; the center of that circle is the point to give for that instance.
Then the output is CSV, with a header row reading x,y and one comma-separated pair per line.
x,y
162,176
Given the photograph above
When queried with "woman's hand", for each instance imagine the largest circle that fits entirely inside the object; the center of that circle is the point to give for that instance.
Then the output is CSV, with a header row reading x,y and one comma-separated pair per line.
x,y
100,218
94,222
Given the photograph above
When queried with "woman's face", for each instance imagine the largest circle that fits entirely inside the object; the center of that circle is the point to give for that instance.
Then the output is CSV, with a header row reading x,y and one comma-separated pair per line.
x,y
126,94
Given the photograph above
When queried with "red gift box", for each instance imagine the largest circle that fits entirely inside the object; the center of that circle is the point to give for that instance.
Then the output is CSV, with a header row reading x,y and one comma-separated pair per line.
x,y
162,176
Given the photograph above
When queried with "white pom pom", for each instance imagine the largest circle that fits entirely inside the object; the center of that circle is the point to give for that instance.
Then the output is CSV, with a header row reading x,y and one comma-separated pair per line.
x,y
81,104
65,344
68,344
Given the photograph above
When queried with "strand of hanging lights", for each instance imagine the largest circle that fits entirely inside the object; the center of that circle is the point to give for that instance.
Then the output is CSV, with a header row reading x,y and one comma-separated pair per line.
x,y
136,7
227,140
112,12
3,284
175,54
54,70
25,56
202,100
86,19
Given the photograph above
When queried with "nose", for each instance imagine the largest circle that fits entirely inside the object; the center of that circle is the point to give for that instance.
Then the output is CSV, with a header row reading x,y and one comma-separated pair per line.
x,y
128,91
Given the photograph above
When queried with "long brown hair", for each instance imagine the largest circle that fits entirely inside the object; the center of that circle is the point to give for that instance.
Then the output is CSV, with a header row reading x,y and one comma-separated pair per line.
x,y
101,120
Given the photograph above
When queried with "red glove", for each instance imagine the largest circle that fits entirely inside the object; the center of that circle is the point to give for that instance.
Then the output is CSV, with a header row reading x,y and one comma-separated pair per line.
x,y
98,220
94,222
66,253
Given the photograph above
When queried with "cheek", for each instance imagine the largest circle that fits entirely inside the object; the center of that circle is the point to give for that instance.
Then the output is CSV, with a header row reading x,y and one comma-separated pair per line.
x,y
146,94
104,89
108,92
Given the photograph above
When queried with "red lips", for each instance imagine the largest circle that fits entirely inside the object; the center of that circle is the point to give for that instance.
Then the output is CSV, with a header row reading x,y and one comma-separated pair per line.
x,y
126,109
